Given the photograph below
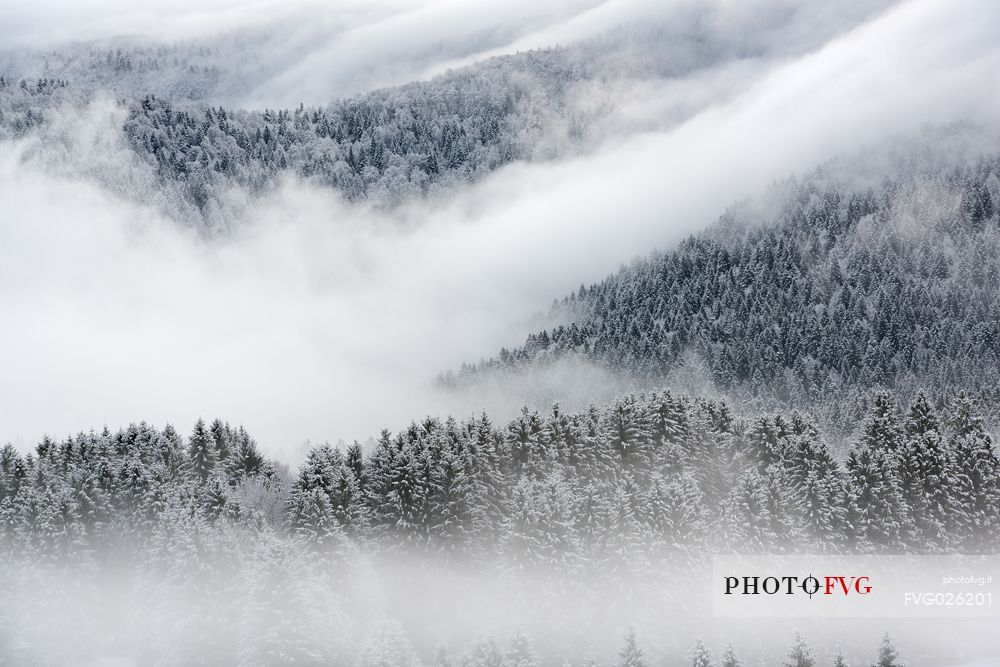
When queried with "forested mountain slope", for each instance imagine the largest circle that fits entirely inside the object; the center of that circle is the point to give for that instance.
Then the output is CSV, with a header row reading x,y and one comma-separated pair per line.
x,y
385,145
814,300
382,146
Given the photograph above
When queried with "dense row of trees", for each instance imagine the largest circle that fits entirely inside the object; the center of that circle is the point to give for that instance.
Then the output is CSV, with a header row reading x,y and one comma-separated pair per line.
x,y
639,485
843,289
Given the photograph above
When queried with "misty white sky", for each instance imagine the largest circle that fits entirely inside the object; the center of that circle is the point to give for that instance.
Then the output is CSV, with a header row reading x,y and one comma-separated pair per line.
x,y
320,320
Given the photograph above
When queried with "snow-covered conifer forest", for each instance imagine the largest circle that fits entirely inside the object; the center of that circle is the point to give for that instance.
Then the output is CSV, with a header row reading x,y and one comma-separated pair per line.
x,y
465,334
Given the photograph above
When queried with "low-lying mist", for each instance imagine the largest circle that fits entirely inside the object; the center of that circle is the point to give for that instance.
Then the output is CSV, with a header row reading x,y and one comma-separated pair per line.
x,y
266,601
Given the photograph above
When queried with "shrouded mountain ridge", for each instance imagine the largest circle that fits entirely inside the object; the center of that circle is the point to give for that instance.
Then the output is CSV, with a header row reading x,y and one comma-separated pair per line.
x,y
831,288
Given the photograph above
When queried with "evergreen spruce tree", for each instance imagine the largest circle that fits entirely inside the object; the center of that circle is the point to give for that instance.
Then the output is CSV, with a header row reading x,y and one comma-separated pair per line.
x,y
977,490
221,434
800,655
921,418
356,463
882,429
313,519
202,454
630,654
887,655
630,434
877,512
815,479
729,659
700,657
246,459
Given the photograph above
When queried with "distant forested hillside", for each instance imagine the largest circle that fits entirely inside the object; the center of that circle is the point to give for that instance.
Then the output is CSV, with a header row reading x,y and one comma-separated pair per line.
x,y
816,300
383,146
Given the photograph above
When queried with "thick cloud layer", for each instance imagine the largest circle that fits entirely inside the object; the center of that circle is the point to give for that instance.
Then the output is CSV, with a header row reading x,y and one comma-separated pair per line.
x,y
321,320
312,51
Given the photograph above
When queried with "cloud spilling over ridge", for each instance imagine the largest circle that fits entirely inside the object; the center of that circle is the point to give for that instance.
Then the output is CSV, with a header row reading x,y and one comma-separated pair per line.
x,y
322,320
311,51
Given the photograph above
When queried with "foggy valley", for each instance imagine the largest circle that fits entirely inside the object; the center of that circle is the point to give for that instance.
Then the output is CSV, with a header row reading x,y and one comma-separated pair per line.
x,y
463,333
